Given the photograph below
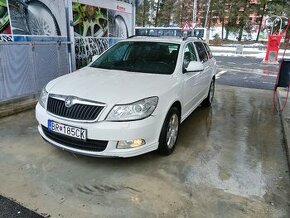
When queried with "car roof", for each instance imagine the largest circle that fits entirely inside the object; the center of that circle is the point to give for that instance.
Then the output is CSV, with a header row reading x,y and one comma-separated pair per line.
x,y
177,40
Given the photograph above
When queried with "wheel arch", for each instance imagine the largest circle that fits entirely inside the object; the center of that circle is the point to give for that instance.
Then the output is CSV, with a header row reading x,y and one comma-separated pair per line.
x,y
176,104
162,150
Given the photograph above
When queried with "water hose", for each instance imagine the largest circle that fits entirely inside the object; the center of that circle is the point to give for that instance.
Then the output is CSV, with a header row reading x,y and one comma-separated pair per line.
x,y
280,66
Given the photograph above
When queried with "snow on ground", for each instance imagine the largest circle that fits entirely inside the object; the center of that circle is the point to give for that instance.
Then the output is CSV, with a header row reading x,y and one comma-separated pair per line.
x,y
258,55
247,52
233,48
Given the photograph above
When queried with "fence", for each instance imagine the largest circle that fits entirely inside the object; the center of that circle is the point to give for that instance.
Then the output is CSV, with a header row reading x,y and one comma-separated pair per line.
x,y
25,68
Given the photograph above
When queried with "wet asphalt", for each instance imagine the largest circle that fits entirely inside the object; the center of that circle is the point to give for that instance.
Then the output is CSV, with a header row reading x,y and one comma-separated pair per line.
x,y
229,162
248,72
11,209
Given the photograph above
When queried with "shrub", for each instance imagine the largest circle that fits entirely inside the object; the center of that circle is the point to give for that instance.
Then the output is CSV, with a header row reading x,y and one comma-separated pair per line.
x,y
217,40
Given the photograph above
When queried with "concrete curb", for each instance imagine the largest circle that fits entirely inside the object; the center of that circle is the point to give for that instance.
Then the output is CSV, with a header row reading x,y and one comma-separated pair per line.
x,y
17,105
285,119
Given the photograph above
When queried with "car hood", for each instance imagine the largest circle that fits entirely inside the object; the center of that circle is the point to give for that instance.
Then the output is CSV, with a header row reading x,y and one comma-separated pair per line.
x,y
110,86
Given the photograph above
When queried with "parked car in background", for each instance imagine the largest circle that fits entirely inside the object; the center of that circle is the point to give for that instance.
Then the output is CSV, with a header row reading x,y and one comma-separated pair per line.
x,y
129,101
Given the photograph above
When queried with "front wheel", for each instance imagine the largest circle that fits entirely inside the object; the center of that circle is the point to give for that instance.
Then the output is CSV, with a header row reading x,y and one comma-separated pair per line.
x,y
169,132
208,101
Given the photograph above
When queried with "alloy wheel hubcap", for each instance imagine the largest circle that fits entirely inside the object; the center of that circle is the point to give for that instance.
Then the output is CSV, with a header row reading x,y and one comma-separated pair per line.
x,y
172,131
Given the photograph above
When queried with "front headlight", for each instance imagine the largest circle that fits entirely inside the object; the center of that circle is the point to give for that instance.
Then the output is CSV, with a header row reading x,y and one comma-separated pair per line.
x,y
43,98
135,111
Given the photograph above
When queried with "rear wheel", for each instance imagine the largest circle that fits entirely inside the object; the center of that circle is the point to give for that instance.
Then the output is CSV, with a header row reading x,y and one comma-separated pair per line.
x,y
169,132
208,101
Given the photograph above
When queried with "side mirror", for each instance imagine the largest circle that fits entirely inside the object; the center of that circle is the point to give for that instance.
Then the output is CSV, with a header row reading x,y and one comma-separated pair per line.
x,y
194,66
95,57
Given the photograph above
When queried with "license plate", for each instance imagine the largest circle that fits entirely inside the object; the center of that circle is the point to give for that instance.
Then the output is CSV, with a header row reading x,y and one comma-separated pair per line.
x,y
71,131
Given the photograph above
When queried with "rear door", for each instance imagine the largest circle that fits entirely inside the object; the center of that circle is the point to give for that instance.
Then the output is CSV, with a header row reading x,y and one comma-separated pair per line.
x,y
205,76
211,59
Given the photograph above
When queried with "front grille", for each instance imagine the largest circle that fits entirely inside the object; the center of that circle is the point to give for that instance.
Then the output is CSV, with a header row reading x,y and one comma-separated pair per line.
x,y
76,112
88,145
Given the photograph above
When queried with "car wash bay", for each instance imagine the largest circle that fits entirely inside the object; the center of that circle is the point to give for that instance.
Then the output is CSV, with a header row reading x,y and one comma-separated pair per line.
x,y
229,161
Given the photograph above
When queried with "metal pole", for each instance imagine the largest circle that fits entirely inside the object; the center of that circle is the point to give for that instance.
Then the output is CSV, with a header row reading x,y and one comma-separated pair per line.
x,y
206,20
69,46
134,8
273,23
194,11
207,11
281,22
71,34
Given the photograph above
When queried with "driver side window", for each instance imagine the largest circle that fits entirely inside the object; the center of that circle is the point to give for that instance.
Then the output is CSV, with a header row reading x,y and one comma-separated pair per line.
x,y
189,55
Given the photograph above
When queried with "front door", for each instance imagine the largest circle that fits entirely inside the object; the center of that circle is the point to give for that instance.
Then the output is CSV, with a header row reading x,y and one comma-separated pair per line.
x,y
191,90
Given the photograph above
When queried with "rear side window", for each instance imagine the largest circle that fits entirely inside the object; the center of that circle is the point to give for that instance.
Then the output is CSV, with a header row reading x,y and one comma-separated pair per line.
x,y
201,51
208,50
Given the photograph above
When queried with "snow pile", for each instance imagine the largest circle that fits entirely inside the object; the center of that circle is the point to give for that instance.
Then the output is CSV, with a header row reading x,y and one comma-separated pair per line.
x,y
244,51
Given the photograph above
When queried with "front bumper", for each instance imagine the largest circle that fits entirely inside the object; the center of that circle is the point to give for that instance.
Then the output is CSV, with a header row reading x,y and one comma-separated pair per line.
x,y
147,129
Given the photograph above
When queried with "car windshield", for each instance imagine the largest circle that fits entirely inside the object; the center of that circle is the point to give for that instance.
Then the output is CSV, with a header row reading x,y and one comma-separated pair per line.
x,y
144,57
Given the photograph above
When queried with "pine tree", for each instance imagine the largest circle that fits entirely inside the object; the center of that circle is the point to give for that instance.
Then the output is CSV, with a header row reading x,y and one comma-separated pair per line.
x,y
261,10
244,12
266,8
143,14
166,12
218,13
183,12
233,14
157,12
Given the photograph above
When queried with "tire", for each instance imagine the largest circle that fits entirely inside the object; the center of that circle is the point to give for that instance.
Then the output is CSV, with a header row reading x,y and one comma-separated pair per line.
x,y
169,132
208,100
43,22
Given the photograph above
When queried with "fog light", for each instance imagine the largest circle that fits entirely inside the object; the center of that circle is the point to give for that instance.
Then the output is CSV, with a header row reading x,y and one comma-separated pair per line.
x,y
130,143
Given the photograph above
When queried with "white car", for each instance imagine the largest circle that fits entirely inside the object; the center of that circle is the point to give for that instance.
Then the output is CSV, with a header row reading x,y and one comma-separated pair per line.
x,y
129,101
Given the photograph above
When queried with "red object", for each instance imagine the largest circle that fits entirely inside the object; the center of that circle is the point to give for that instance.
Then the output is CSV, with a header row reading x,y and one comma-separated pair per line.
x,y
187,26
273,45
7,30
